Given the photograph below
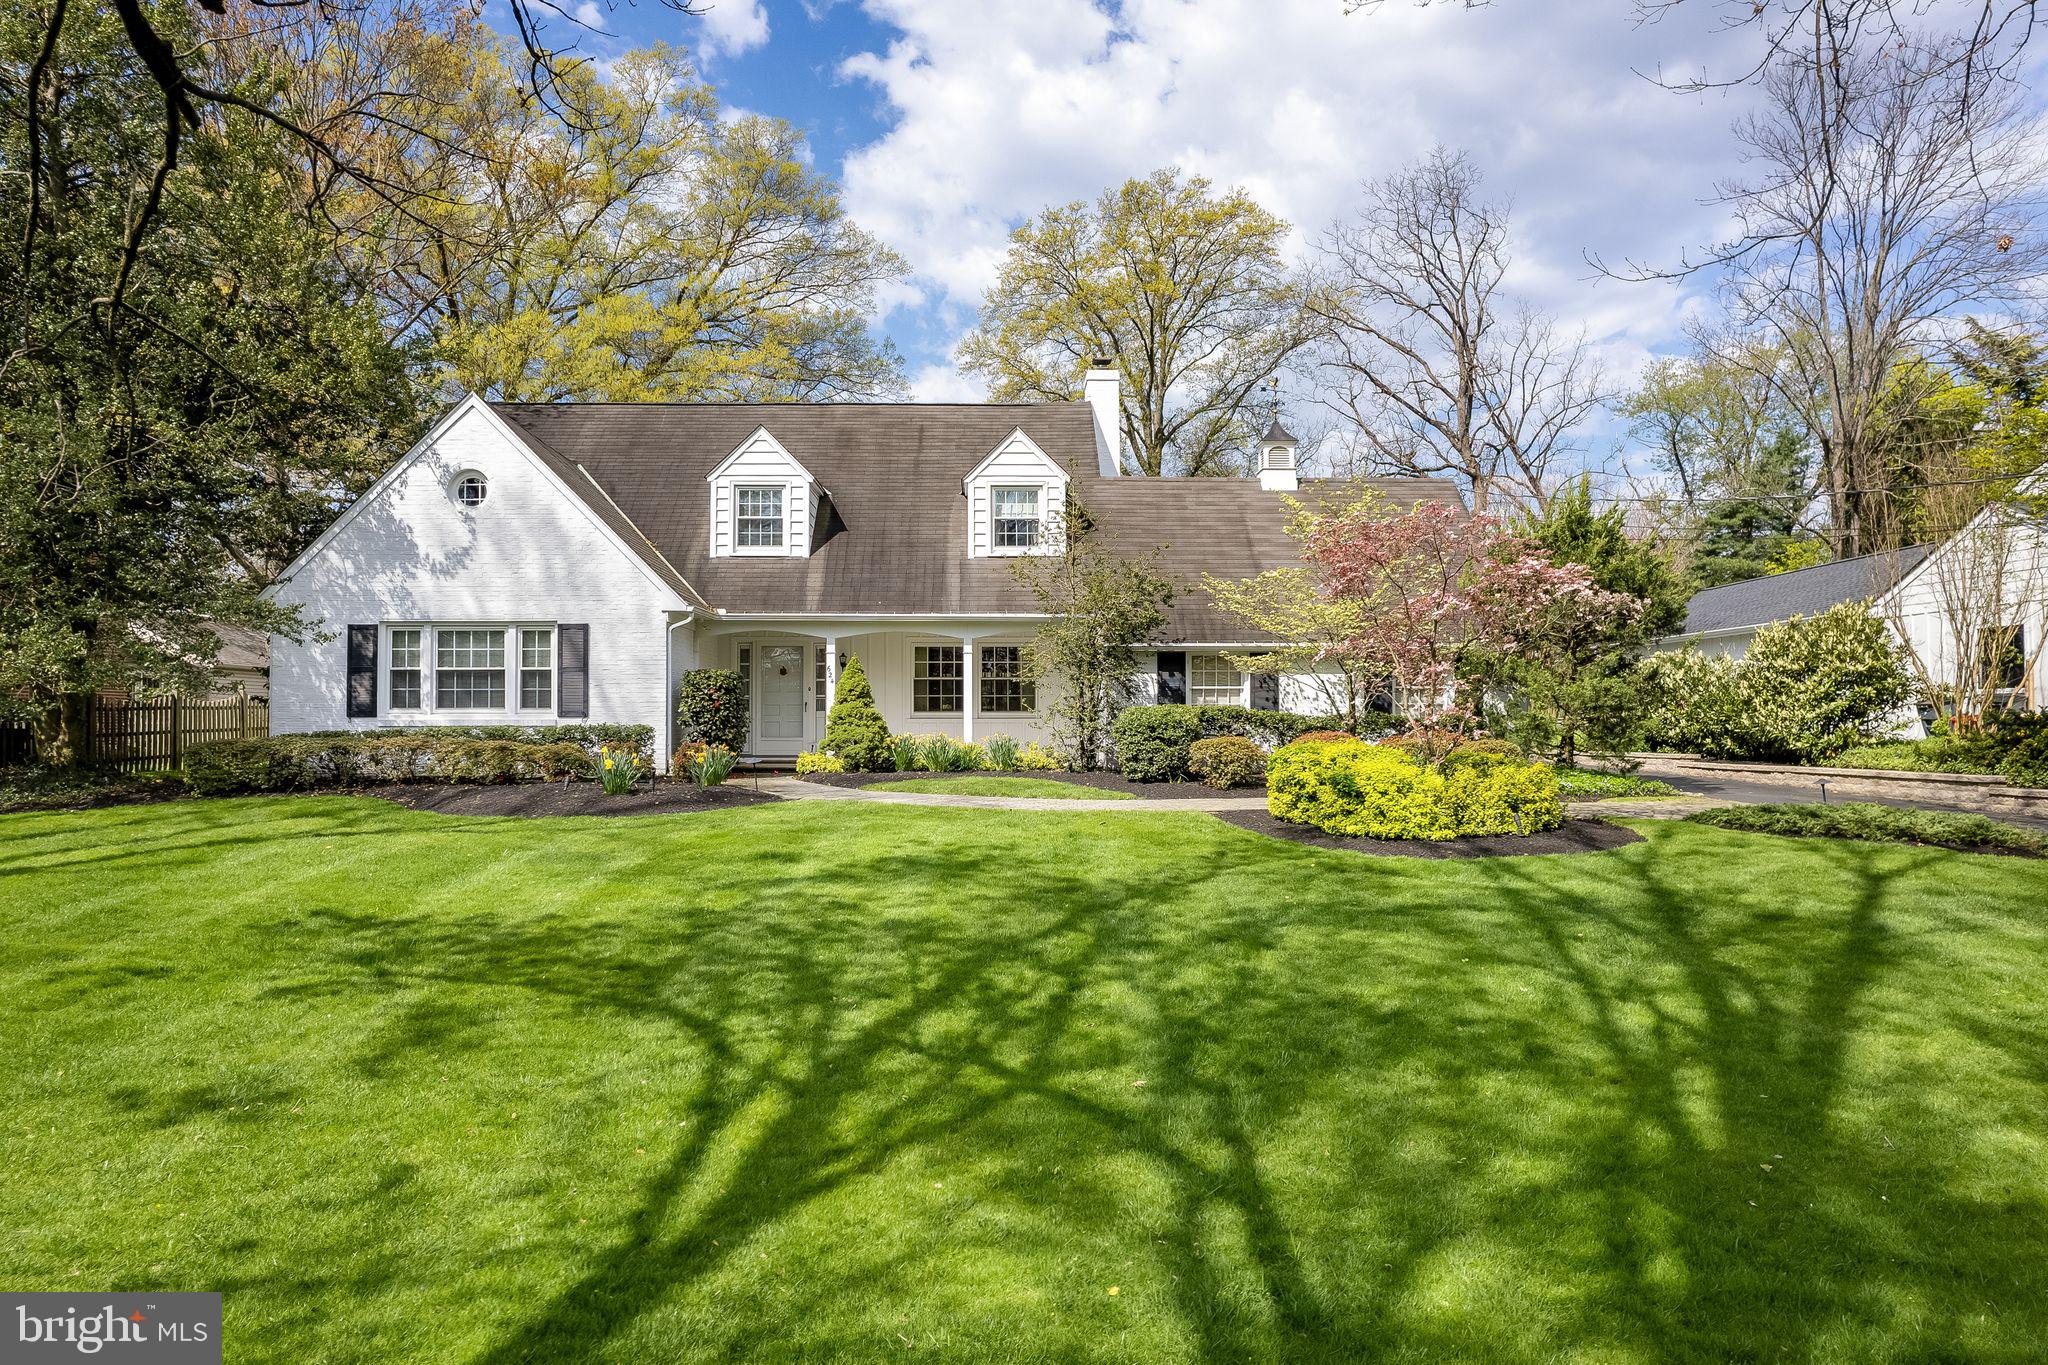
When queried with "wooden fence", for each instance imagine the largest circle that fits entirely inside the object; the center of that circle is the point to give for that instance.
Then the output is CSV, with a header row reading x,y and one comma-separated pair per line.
x,y
134,736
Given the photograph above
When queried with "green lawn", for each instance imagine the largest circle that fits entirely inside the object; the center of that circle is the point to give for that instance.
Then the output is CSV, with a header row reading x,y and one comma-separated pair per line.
x,y
840,1081
1002,786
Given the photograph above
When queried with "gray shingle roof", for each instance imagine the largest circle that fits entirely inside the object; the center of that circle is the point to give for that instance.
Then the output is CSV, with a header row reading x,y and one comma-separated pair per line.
x,y
1802,592
894,471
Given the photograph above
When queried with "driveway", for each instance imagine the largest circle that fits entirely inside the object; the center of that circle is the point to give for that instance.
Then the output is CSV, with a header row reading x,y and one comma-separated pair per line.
x,y
1749,791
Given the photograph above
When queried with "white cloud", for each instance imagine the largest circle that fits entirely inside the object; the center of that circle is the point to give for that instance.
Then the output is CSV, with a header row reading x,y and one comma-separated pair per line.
x,y
941,383
731,27
1001,108
592,15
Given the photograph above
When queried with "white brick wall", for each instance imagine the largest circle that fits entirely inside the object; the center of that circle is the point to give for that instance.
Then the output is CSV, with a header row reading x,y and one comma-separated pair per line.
x,y
531,553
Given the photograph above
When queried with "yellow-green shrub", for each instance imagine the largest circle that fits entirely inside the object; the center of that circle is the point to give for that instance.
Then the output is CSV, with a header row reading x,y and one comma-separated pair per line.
x,y
819,763
1036,758
1503,797
1379,791
1368,791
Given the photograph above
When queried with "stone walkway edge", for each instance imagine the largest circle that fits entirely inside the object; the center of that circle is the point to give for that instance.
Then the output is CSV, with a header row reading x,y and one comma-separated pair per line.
x,y
795,789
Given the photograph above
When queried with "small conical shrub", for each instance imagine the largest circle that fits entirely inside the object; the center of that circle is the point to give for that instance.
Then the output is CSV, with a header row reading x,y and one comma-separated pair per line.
x,y
855,732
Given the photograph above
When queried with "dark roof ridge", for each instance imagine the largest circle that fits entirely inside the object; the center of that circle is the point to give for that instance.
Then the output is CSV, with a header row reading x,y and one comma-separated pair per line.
x,y
1784,574
792,405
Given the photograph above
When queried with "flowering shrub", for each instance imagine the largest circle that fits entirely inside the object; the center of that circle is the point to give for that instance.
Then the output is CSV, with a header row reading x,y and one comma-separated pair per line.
x,y
819,763
1323,737
1036,758
1435,587
618,770
711,707
1227,761
1377,791
1808,688
1002,752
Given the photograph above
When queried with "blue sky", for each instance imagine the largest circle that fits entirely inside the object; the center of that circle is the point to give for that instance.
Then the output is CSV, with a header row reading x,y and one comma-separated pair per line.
x,y
947,121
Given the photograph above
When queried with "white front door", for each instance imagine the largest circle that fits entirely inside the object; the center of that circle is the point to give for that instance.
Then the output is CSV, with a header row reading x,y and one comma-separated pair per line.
x,y
780,684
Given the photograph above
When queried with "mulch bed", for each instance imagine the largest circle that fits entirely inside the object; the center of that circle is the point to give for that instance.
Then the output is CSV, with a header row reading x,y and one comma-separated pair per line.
x,y
1111,782
1574,836
574,798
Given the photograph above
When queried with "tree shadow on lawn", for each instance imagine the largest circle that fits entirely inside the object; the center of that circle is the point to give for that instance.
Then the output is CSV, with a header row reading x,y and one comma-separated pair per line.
x,y
1321,1107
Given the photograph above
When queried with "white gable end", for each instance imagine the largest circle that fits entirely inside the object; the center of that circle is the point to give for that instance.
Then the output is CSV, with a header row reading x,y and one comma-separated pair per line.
x,y
1017,466
529,552
742,486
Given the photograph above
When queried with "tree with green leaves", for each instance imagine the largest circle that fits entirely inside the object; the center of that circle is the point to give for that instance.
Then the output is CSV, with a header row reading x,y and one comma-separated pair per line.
x,y
1186,288
1101,605
1290,604
632,242
1737,456
179,410
1572,676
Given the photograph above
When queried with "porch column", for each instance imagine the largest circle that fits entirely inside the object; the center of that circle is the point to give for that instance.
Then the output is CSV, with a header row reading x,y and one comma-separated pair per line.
x,y
831,678
970,686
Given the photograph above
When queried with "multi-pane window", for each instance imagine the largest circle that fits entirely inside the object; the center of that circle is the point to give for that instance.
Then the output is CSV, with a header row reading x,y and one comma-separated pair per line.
x,y
1005,686
1212,682
1015,511
936,678
2005,656
469,669
536,669
405,669
747,671
757,518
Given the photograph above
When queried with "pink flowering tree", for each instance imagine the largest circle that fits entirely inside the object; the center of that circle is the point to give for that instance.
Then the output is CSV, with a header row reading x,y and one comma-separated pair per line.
x,y
1436,587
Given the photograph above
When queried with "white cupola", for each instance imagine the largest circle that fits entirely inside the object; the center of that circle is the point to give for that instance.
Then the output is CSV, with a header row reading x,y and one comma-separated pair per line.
x,y
1278,471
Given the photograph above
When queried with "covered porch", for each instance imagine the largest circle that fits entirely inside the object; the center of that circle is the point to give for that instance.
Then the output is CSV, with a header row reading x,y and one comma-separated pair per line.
x,y
959,677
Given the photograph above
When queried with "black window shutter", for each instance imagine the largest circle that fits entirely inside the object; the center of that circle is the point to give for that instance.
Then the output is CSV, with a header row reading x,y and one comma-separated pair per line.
x,y
1265,691
362,672
572,662
1173,676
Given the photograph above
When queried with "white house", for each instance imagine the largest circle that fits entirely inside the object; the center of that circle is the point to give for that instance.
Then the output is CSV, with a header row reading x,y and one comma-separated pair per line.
x,y
1970,613
537,563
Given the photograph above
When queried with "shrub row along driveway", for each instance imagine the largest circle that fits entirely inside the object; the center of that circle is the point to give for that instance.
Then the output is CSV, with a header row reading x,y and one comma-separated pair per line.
x,y
853,1081
1733,787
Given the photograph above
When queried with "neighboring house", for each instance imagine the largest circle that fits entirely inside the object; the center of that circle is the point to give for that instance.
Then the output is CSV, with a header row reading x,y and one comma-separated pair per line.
x,y
1971,612
1722,621
534,563
243,665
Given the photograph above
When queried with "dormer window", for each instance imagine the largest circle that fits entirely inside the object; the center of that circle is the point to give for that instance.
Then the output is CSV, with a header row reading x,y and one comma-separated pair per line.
x,y
1014,497
1016,518
763,502
757,518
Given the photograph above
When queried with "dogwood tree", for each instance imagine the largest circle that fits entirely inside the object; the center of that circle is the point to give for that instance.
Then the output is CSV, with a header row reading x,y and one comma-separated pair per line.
x,y
1436,588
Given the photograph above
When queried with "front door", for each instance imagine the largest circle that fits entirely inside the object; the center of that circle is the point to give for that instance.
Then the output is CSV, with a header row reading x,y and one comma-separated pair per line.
x,y
779,686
